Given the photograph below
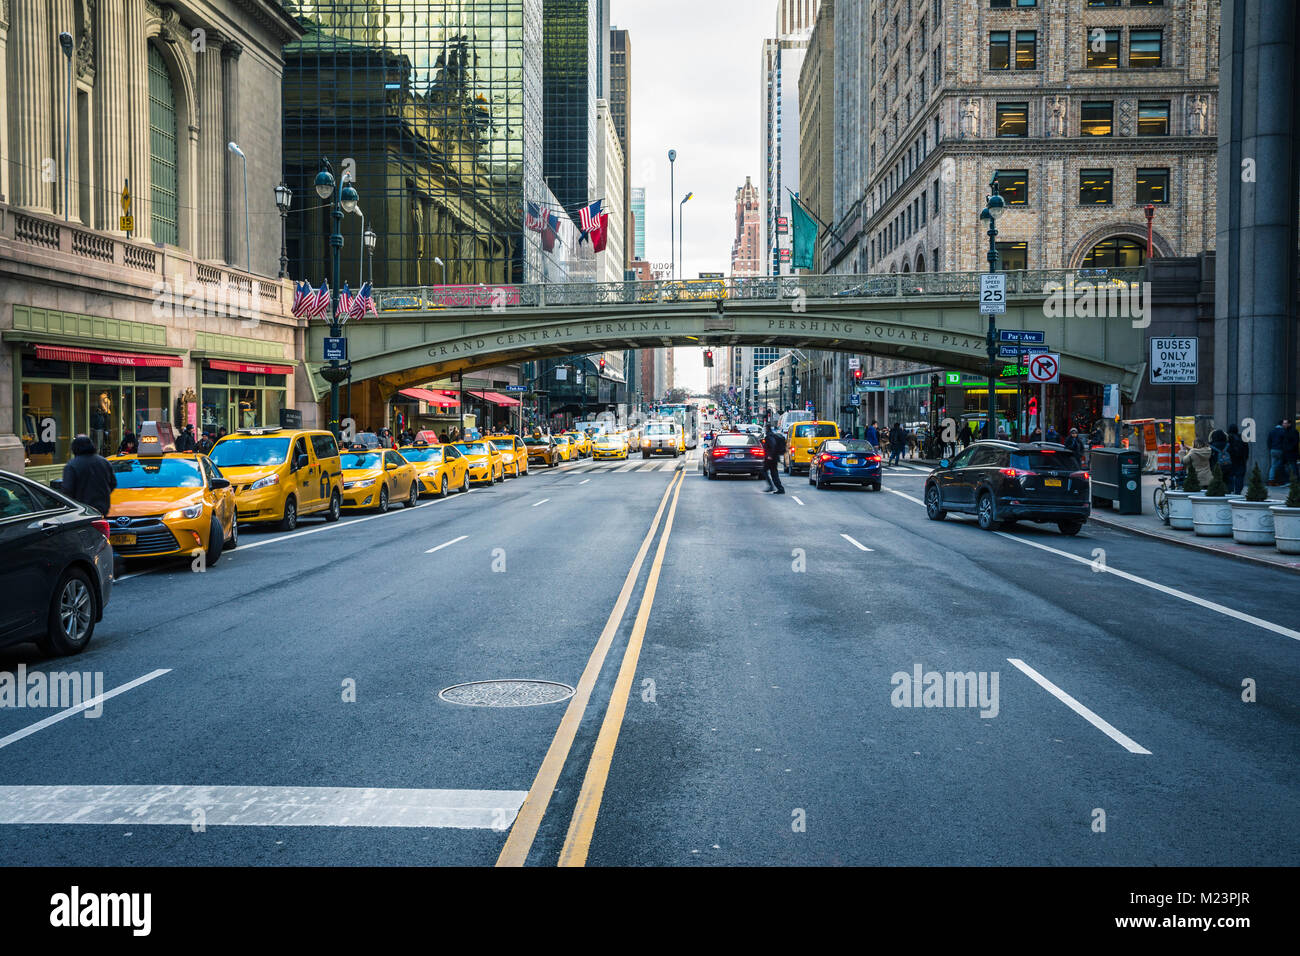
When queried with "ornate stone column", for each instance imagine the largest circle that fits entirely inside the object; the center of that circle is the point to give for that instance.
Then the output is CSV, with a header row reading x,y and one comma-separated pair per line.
x,y
112,144
31,139
5,91
233,200
212,148
135,129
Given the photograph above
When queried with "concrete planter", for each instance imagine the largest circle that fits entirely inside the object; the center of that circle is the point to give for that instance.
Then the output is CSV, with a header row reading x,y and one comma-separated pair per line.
x,y
1180,509
1286,528
1212,517
1252,522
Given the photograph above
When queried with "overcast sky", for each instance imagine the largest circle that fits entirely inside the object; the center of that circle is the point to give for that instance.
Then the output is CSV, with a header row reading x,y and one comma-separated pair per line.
x,y
695,88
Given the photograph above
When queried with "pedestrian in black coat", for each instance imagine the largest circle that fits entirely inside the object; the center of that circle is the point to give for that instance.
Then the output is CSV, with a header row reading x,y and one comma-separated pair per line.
x,y
87,477
1239,453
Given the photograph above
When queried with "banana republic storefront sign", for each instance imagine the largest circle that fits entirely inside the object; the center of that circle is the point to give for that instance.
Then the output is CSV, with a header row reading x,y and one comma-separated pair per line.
x,y
581,331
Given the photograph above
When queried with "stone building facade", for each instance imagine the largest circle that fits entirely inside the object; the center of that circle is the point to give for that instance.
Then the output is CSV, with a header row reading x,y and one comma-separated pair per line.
x,y
747,248
181,317
817,122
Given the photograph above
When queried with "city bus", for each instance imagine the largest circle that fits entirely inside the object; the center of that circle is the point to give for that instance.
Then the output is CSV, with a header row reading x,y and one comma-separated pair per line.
x,y
688,416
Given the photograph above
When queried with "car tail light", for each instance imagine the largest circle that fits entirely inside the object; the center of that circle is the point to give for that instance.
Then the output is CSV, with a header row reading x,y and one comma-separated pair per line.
x,y
1015,472
719,452
757,451
100,525
825,456
873,458
1083,475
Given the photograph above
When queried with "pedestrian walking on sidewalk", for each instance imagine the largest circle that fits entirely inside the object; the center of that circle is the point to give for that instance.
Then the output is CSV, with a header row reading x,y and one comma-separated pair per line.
x,y
773,449
1238,453
1290,451
1199,458
1275,469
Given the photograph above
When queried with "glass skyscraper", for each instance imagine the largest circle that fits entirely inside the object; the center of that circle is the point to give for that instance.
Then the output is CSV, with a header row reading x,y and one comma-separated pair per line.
x,y
435,108
638,211
570,53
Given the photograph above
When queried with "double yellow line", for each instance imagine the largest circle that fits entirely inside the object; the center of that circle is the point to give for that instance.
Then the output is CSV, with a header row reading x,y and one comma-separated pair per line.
x,y
583,824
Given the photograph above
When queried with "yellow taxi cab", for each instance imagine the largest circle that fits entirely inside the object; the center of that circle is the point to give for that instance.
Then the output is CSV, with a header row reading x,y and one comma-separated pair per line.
x,y
169,503
373,478
665,437
803,440
514,454
564,445
581,443
483,461
438,468
610,445
541,448
279,474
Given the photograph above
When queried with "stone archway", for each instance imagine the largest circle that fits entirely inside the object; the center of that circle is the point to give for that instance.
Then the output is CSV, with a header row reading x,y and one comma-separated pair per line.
x,y
1137,232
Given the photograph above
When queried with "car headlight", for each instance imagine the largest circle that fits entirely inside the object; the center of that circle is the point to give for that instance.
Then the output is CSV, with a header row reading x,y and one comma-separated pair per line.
x,y
348,485
266,482
185,514
507,457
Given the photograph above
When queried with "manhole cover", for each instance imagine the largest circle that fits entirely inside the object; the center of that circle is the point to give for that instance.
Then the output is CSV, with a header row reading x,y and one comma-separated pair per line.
x,y
507,693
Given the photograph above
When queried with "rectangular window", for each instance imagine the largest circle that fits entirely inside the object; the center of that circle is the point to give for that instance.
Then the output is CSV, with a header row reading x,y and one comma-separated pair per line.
x,y
1153,117
1000,50
1013,186
1026,49
1012,119
1103,48
1152,186
1095,187
1013,256
1097,119
1103,3
1144,49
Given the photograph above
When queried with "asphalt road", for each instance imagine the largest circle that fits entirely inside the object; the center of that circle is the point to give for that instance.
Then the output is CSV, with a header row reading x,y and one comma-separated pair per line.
x,y
744,713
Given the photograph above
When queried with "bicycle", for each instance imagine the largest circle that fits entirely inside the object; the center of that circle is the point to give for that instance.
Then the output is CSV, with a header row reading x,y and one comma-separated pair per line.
x,y
1159,496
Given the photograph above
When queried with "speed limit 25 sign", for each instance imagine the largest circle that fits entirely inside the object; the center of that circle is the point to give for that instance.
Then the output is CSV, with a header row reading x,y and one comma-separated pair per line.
x,y
993,293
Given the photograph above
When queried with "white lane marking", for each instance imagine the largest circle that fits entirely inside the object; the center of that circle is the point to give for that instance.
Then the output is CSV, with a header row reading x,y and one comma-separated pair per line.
x,y
902,495
1106,728
632,466
350,523
798,499
447,544
584,481
84,705
1162,588
542,502
857,544
137,805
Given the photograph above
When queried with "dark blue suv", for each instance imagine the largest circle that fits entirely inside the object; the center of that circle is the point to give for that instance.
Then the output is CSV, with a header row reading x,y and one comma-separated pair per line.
x,y
1002,482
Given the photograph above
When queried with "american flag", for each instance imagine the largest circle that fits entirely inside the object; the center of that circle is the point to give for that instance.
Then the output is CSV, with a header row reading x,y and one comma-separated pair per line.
x,y
589,216
345,302
301,292
534,219
317,303
362,303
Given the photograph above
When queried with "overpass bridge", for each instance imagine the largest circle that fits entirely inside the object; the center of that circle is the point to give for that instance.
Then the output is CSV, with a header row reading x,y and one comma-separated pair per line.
x,y
422,334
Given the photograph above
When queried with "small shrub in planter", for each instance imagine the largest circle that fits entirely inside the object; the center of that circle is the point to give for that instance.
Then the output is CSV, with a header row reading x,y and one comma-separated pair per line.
x,y
1211,513
1191,484
1286,520
1252,518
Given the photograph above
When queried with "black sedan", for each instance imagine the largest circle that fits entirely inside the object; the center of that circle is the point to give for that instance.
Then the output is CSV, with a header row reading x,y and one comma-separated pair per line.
x,y
56,567
733,453
1002,482
846,461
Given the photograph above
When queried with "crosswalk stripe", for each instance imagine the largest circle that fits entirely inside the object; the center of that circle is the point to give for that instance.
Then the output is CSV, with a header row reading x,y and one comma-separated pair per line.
x,y
136,805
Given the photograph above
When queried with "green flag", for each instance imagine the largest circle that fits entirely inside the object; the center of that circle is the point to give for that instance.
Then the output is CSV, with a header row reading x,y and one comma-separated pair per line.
x,y
805,235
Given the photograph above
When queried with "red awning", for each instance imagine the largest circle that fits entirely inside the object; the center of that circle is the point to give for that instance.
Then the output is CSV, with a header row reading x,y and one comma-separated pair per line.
x,y
254,369
496,398
62,353
439,399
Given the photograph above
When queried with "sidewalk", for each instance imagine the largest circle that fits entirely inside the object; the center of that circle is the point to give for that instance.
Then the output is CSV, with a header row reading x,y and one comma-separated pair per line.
x,y
1149,525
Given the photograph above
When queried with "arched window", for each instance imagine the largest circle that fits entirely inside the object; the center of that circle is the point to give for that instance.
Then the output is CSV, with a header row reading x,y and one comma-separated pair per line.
x,y
906,268
920,263
162,151
1120,252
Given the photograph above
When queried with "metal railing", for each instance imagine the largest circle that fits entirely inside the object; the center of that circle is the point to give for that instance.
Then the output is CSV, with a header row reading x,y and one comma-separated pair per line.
x,y
1037,283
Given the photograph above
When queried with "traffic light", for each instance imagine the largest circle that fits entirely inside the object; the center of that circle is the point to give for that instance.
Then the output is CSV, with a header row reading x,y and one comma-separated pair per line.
x,y
708,358
602,363
857,375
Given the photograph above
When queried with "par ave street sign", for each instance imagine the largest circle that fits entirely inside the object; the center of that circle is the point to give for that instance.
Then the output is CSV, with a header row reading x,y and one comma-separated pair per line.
x,y
1015,335
1173,361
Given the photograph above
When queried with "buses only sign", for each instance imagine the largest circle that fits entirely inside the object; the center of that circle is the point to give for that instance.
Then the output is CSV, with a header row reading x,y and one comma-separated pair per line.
x,y
1173,361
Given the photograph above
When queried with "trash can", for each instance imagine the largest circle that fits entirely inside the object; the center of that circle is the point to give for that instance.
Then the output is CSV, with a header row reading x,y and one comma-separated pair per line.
x,y
1117,479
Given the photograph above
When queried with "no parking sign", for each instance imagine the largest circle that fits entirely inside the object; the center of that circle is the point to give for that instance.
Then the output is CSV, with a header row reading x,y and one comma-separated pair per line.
x,y
1045,369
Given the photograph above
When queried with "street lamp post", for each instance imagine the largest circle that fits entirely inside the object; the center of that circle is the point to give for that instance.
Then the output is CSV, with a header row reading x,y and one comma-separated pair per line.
x,y
443,266
283,197
248,253
989,215
65,41
672,213
681,232
344,200
369,239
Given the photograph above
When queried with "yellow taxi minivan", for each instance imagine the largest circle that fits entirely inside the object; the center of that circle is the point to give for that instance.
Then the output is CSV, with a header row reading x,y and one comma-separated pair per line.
x,y
438,468
280,474
483,460
802,441
170,503
514,454
374,478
